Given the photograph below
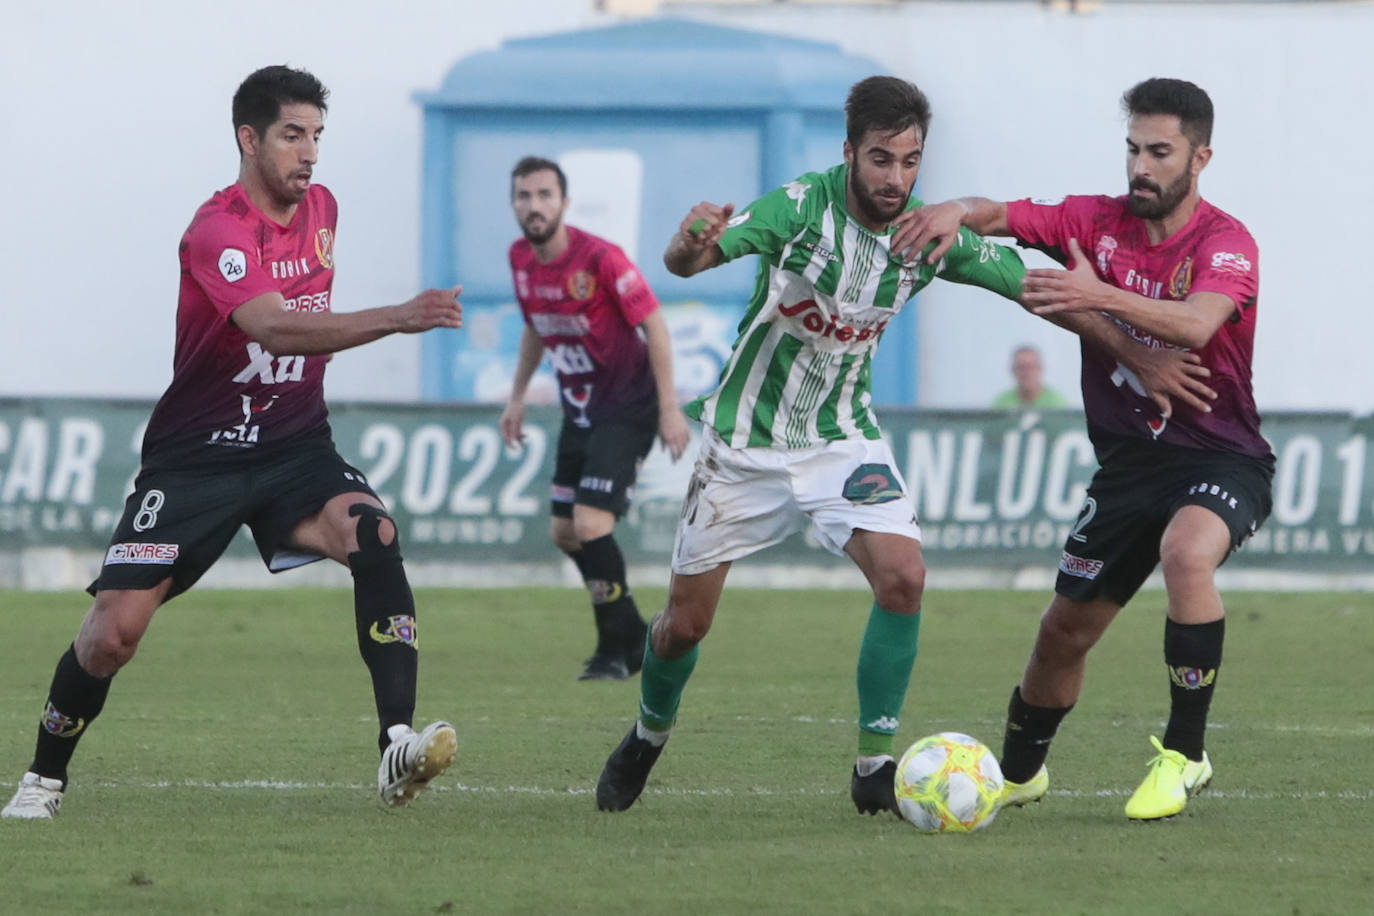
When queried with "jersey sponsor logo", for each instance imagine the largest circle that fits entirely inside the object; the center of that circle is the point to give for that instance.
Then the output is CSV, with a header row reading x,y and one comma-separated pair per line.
x,y
871,484
796,190
738,219
1106,248
1181,280
233,265
1047,201
142,554
817,322
626,282
324,247
1192,678
522,284
247,433
561,493
286,270
310,302
571,359
581,285
399,628
578,398
1081,567
1139,283
270,369
823,252
1232,262
547,324
59,724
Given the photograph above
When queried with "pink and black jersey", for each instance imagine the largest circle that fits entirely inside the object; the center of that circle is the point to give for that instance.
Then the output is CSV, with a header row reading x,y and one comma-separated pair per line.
x,y
586,306
229,398
1213,253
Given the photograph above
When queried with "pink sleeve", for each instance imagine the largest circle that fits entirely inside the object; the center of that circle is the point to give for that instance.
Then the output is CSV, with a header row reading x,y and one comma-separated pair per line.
x,y
1228,263
1049,224
223,260
628,287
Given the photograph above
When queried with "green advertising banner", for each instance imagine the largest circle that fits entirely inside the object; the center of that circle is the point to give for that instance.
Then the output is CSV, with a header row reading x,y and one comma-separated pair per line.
x,y
991,489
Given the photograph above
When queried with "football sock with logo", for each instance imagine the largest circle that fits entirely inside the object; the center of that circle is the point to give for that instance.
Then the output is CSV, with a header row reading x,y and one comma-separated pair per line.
x,y
1026,742
619,626
1192,652
886,657
74,700
384,611
660,686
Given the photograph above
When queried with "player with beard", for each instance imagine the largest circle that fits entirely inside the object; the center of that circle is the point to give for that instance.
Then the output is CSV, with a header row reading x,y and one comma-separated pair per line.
x,y
790,436
241,437
1181,489
591,309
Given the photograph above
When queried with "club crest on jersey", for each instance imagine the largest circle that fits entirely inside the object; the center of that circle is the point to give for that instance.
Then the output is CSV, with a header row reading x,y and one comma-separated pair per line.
x,y
1181,280
581,285
63,726
796,190
399,628
324,247
1192,678
1106,247
871,484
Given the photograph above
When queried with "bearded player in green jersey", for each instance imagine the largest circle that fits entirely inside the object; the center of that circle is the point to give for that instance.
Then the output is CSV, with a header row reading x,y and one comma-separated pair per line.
x,y
790,436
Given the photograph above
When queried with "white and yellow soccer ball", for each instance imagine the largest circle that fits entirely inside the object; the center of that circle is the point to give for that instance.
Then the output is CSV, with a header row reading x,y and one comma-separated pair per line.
x,y
948,783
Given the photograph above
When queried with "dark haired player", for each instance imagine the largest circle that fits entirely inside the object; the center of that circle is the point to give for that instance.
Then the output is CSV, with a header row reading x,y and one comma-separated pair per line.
x,y
590,309
1181,489
241,437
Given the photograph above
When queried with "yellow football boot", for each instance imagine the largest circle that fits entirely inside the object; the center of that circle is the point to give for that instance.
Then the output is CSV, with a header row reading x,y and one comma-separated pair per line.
x,y
1171,779
1016,794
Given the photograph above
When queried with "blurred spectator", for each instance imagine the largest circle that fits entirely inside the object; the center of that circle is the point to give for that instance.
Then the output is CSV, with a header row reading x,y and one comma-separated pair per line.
x,y
1030,391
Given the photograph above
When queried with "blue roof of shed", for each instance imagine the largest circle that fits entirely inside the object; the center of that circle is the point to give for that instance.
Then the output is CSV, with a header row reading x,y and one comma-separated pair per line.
x,y
656,63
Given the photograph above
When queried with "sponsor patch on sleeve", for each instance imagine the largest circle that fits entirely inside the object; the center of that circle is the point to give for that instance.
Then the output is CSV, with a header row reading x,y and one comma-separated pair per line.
x,y
233,265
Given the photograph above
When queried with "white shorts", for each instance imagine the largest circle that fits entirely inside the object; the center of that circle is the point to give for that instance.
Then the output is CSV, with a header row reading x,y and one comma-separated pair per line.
x,y
741,500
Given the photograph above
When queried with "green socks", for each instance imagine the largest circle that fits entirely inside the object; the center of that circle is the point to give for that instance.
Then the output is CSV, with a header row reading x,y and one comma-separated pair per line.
x,y
661,683
886,657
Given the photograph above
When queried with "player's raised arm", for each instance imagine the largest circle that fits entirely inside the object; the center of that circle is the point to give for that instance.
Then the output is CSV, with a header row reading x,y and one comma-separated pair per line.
x,y
939,224
266,319
1187,323
696,247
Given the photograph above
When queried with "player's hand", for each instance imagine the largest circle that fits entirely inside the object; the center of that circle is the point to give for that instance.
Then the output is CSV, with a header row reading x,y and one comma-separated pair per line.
x,y
1167,373
916,229
704,225
1049,291
673,432
512,423
434,308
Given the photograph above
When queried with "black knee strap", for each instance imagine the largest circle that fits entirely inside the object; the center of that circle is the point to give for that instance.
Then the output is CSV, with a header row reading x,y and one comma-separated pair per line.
x,y
371,551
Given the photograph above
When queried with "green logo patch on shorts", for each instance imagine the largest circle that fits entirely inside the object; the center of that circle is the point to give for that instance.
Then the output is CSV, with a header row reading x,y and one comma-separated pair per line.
x,y
871,484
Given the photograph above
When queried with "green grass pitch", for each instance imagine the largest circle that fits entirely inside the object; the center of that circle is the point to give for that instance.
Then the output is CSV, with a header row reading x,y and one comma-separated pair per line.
x,y
233,770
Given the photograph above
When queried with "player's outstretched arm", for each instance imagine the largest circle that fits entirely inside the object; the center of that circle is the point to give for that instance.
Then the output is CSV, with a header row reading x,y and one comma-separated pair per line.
x,y
266,319
1167,374
672,424
696,247
939,224
1188,323
512,421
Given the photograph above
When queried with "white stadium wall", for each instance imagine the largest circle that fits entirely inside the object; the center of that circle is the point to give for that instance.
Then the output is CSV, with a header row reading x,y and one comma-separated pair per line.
x,y
115,122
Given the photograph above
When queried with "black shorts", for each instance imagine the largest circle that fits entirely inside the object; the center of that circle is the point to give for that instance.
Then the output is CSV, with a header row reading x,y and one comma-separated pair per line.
x,y
177,523
597,466
1114,546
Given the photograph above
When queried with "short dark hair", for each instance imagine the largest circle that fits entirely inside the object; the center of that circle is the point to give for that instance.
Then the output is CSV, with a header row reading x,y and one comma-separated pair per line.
x,y
1186,101
887,104
531,164
259,98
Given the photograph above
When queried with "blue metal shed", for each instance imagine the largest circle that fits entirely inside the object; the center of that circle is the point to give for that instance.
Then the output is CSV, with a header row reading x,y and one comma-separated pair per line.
x,y
647,118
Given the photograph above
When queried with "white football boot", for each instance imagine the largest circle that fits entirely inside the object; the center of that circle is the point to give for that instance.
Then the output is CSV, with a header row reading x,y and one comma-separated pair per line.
x,y
38,798
413,759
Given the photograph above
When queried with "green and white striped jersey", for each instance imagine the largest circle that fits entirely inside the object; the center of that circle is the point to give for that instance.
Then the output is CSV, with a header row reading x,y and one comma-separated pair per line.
x,y
799,372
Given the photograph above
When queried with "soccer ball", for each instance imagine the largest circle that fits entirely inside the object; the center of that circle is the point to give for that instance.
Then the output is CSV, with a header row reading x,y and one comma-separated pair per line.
x,y
948,783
